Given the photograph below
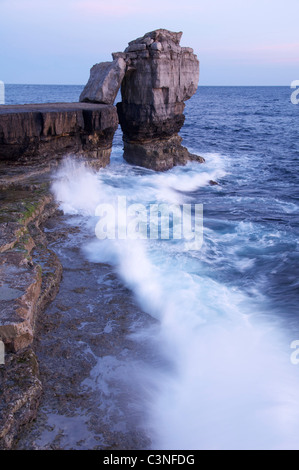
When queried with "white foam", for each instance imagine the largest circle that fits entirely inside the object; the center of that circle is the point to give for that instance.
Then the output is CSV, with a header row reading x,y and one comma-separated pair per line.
x,y
230,384
77,188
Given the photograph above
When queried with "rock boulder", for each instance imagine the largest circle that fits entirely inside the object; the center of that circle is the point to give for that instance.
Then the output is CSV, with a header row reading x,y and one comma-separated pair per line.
x,y
104,82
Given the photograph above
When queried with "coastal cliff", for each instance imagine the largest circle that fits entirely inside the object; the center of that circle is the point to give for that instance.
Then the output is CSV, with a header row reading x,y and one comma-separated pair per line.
x,y
33,139
30,275
156,76
38,133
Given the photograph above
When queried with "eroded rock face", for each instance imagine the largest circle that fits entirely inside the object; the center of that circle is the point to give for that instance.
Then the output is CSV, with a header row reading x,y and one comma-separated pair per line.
x,y
30,275
21,390
23,285
104,82
160,76
38,133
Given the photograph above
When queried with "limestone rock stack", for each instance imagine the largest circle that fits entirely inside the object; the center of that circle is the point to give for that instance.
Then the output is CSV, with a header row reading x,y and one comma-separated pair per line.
x,y
161,75
157,76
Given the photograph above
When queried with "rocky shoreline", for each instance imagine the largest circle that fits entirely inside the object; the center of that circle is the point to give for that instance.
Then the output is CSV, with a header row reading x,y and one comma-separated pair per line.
x,y
83,347
156,76
30,275
41,133
33,139
55,338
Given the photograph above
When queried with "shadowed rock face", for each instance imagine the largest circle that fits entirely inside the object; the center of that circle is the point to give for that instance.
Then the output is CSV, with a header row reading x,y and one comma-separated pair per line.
x,y
160,76
41,132
156,76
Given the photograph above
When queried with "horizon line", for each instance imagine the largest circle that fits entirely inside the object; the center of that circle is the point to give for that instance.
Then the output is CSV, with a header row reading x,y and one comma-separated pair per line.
x,y
80,84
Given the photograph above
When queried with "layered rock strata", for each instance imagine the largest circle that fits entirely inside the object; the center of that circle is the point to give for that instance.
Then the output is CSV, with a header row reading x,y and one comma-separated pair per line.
x,y
40,132
156,76
30,275
160,76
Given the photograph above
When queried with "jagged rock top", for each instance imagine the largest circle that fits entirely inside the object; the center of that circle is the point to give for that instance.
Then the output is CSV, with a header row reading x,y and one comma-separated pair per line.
x,y
159,35
160,40
164,74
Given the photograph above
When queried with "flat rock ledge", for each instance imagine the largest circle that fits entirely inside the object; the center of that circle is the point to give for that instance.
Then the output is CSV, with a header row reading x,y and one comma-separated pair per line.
x,y
38,133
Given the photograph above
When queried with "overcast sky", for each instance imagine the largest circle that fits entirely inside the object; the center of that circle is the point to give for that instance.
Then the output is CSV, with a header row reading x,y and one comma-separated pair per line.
x,y
252,42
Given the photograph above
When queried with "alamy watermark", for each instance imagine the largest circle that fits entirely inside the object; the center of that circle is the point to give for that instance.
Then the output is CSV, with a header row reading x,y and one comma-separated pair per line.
x,y
295,355
295,94
2,353
152,222
2,93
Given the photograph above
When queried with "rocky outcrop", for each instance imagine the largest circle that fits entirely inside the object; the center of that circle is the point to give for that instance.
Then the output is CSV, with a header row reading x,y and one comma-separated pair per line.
x,y
159,154
30,275
104,82
23,283
41,132
20,392
156,76
160,76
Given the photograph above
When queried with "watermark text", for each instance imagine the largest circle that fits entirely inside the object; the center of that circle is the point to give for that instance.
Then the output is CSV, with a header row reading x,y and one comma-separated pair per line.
x,y
295,94
295,354
154,222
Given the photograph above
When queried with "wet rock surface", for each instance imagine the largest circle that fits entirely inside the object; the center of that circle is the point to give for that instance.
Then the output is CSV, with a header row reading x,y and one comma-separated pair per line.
x,y
159,155
26,286
75,375
88,359
20,392
22,280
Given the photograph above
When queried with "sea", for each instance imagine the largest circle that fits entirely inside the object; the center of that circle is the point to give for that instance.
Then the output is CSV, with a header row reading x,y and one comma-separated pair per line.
x,y
227,331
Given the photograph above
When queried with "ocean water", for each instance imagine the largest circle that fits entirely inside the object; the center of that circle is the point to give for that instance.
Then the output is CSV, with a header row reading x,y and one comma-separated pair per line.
x,y
28,94
228,311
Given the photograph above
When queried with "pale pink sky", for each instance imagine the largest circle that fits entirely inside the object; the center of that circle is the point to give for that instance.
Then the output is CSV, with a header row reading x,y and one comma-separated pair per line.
x,y
238,42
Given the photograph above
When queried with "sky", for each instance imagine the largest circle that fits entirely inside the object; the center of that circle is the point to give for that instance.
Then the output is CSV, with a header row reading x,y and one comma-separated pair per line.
x,y
238,42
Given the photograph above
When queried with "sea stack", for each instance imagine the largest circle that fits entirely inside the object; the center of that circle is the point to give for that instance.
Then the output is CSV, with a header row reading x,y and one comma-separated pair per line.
x,y
161,75
158,78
